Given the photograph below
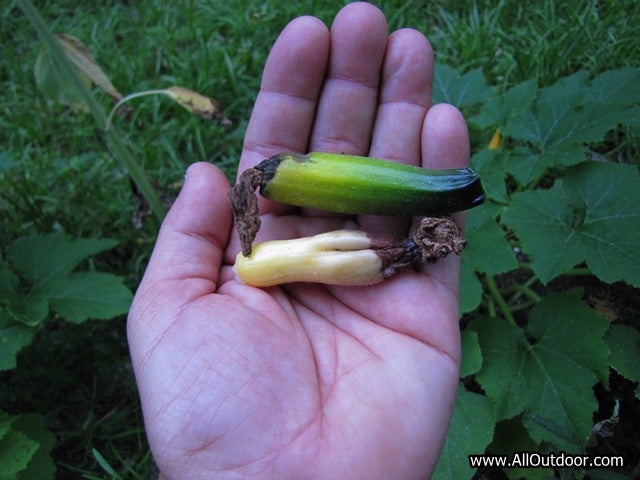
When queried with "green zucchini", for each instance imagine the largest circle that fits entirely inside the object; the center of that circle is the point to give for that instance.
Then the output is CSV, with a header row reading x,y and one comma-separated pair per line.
x,y
353,184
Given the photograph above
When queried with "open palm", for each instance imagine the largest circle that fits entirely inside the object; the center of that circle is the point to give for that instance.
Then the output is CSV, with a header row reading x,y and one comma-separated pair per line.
x,y
305,380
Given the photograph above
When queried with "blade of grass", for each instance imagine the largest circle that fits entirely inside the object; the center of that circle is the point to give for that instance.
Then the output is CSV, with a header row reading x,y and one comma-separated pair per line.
x,y
105,465
69,74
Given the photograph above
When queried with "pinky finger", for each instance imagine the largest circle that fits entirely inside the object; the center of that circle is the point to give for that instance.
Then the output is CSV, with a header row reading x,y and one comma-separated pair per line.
x,y
445,139
445,144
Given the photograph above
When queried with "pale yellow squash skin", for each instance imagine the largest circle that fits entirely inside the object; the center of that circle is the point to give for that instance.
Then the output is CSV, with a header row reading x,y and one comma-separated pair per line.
x,y
341,257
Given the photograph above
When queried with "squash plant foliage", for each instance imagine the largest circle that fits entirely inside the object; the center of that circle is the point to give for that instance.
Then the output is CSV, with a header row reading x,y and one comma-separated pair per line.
x,y
40,279
531,355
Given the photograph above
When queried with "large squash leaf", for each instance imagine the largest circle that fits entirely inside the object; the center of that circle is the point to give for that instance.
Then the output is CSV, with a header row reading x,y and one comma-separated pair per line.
x,y
548,372
592,214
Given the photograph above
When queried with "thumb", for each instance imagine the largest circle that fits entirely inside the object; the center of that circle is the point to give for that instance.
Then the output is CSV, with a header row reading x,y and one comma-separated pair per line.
x,y
186,259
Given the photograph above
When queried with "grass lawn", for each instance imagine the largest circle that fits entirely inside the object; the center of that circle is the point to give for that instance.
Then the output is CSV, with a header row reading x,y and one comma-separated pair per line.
x,y
57,175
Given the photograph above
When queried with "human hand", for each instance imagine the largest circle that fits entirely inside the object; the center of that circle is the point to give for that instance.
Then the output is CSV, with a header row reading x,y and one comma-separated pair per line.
x,y
305,380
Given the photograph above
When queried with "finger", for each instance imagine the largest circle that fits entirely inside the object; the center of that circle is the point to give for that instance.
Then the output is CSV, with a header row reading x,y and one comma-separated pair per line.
x,y
446,145
405,96
284,110
186,259
445,141
347,105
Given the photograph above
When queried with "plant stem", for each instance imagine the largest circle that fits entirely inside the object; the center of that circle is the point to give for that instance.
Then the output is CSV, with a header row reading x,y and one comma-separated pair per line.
x,y
523,289
69,73
491,307
522,306
499,299
527,292
157,91
137,173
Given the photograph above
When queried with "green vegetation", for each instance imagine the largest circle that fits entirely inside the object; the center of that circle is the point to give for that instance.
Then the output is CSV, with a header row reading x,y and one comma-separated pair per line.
x,y
550,276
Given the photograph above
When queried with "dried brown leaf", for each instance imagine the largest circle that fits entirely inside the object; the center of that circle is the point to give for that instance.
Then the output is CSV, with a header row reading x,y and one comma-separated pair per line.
x,y
196,103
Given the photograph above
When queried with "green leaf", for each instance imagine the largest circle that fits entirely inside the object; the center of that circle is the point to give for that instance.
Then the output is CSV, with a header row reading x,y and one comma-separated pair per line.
x,y
56,87
588,123
13,337
8,281
497,111
449,86
16,305
45,259
21,307
31,310
568,311
471,355
527,166
545,123
86,295
6,421
492,252
569,90
470,287
490,166
592,214
470,431
41,466
617,87
511,436
547,372
564,117
53,85
487,251
503,375
624,344
47,262
16,451
25,444
634,121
